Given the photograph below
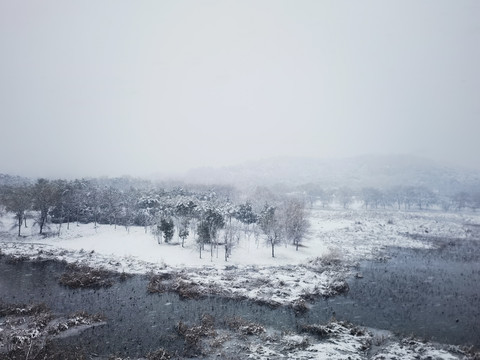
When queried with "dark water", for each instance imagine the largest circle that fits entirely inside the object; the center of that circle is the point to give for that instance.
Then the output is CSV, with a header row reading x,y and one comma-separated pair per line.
x,y
434,294
137,322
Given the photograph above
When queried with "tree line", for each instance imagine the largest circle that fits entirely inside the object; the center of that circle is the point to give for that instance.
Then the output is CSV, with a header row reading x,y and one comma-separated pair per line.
x,y
396,197
211,216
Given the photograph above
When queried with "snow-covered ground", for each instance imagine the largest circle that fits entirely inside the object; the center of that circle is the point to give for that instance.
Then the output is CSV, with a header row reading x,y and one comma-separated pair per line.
x,y
364,234
337,239
339,340
352,234
247,274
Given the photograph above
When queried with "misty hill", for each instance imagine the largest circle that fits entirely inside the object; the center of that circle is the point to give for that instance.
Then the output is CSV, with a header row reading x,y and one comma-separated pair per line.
x,y
355,172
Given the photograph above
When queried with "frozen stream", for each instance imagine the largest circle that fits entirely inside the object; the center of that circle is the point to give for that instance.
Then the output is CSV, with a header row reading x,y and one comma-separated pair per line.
x,y
429,293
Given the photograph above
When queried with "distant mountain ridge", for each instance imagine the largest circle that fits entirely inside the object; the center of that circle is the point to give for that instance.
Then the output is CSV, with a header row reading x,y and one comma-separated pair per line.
x,y
379,171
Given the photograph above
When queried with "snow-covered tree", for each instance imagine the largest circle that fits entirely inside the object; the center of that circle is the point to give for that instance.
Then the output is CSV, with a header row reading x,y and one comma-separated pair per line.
x,y
271,226
167,228
112,204
296,221
184,212
230,237
245,214
17,199
247,217
78,200
64,207
45,195
127,212
183,233
203,233
150,209
211,221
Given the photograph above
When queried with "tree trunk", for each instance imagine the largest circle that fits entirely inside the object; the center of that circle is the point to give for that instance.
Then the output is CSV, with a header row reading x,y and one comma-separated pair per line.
x,y
43,219
273,248
61,222
19,224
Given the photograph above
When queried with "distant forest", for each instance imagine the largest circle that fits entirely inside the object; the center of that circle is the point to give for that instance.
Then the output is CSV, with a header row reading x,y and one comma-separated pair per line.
x,y
281,212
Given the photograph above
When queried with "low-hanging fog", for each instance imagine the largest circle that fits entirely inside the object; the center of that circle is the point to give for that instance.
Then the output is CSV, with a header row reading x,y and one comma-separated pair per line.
x,y
159,87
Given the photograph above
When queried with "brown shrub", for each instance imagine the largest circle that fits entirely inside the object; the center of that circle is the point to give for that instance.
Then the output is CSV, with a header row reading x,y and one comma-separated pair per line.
x,y
80,276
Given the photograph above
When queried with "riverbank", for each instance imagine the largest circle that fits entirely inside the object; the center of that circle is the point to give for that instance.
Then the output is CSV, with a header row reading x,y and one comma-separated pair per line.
x,y
338,241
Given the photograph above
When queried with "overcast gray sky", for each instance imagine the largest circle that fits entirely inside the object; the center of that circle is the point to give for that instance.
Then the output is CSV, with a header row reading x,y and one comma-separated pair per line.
x,y
91,88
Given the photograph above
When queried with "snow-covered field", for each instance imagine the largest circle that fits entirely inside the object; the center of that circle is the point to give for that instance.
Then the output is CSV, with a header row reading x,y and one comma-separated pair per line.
x,y
365,234
353,234
338,238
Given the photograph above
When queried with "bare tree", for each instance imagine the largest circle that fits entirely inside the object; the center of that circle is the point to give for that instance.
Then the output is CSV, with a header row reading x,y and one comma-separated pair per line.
x,y
314,192
230,235
128,200
64,204
203,235
93,200
475,201
44,197
371,197
296,221
112,202
395,196
271,226
345,197
17,199
215,221
461,200
78,199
